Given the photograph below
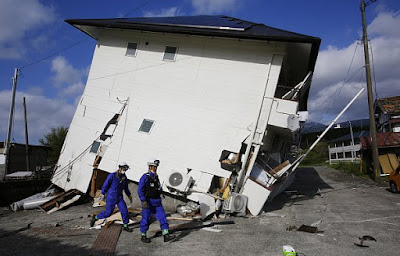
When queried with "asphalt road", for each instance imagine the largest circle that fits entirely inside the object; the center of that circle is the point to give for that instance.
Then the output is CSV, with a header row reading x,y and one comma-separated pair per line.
x,y
342,207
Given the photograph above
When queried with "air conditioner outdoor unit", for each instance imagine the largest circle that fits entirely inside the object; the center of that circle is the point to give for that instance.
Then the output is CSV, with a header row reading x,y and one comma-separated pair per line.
x,y
236,203
179,181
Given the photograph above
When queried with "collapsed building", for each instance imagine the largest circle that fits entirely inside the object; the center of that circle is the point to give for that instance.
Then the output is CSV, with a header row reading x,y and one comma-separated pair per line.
x,y
218,100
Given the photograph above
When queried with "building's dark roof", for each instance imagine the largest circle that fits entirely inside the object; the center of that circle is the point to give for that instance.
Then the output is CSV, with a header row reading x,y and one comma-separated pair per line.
x,y
347,137
384,139
208,25
2,145
389,105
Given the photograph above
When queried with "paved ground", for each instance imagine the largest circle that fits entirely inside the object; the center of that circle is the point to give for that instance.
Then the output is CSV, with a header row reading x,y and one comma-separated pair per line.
x,y
348,207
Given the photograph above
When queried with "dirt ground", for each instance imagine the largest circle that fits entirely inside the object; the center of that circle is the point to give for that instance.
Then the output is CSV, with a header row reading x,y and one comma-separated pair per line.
x,y
342,207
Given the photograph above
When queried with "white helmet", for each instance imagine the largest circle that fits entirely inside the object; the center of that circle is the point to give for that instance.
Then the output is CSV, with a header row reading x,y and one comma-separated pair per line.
x,y
123,164
153,162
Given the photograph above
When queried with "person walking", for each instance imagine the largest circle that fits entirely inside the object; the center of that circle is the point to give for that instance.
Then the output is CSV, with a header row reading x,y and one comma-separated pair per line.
x,y
149,192
115,183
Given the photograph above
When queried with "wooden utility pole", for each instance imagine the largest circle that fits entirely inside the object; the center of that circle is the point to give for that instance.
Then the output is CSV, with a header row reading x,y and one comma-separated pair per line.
x,y
10,121
26,139
372,127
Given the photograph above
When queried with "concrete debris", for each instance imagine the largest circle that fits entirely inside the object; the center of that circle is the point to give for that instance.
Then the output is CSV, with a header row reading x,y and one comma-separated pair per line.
x,y
365,238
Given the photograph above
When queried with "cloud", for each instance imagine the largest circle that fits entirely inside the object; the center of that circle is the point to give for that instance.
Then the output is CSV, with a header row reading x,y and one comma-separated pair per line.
x,y
165,12
335,84
43,114
17,19
66,78
215,6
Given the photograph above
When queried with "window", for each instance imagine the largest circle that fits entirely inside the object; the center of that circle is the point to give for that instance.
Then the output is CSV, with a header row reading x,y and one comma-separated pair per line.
x,y
348,155
170,53
333,156
146,126
340,155
95,147
131,50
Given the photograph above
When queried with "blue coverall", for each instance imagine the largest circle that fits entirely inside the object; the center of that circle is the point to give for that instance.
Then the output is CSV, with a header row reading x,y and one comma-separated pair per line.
x,y
113,186
155,206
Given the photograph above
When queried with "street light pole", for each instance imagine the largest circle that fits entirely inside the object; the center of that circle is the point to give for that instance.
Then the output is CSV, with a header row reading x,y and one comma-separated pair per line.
x,y
372,126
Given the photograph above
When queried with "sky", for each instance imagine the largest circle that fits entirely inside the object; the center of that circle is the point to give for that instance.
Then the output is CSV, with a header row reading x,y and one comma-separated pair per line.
x,y
54,58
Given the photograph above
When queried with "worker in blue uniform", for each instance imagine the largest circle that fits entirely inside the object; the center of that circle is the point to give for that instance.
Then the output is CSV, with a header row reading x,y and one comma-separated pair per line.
x,y
115,183
149,192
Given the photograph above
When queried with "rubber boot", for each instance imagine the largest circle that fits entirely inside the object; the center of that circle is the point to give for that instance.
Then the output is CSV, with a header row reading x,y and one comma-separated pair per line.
x,y
144,238
168,237
128,229
93,220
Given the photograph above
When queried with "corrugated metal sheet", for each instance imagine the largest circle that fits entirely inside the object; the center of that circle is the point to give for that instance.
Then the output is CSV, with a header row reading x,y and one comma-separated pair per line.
x,y
389,105
384,139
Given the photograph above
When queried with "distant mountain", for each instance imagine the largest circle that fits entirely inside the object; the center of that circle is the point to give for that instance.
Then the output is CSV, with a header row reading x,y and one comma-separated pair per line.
x,y
312,127
355,123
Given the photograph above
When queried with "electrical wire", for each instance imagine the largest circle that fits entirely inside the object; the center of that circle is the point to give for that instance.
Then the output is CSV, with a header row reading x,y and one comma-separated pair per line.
x,y
338,91
79,42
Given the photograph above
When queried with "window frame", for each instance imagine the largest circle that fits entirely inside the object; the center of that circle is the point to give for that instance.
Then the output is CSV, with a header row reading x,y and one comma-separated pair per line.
x,y
175,54
151,127
127,49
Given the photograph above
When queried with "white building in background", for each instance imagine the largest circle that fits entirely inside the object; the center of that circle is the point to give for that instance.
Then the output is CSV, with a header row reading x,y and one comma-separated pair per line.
x,y
346,148
207,95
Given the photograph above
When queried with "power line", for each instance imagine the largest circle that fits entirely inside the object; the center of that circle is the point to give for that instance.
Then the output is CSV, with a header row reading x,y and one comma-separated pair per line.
x,y
81,41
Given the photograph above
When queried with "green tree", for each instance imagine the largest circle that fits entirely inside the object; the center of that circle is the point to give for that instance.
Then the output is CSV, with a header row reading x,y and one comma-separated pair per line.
x,y
319,155
55,140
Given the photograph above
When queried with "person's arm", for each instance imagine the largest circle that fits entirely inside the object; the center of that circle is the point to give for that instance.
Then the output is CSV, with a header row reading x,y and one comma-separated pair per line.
x,y
126,189
107,183
142,187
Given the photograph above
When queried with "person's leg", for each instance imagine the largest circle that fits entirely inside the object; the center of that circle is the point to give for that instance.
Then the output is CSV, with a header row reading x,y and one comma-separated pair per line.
x,y
124,213
110,206
104,214
162,218
145,223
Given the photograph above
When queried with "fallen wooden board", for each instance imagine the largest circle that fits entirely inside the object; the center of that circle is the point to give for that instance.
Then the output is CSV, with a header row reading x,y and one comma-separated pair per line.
x,y
62,205
106,241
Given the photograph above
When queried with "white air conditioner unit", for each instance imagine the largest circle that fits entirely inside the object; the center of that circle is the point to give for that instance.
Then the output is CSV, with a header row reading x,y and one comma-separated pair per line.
x,y
179,181
236,203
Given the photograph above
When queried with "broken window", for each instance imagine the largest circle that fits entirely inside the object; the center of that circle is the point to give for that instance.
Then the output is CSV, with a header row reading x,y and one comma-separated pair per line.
x,y
146,125
95,147
170,53
131,50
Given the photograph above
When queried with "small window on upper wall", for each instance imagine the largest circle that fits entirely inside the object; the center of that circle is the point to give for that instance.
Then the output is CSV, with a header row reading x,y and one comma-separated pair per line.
x,y
170,53
95,147
131,50
146,126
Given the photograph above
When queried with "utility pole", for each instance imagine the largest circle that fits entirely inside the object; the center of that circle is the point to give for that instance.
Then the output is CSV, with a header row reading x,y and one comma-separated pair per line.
x,y
26,138
353,153
372,126
10,121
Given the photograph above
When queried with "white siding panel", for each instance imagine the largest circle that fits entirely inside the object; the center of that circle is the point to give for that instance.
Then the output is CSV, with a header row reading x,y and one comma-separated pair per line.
x,y
202,103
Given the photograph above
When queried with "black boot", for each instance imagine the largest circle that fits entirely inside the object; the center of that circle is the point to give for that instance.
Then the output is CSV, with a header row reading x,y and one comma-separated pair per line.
x,y
128,229
146,240
168,237
92,221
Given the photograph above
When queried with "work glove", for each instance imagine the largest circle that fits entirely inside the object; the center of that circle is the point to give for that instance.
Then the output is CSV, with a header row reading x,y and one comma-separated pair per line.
x,y
130,199
145,205
101,197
